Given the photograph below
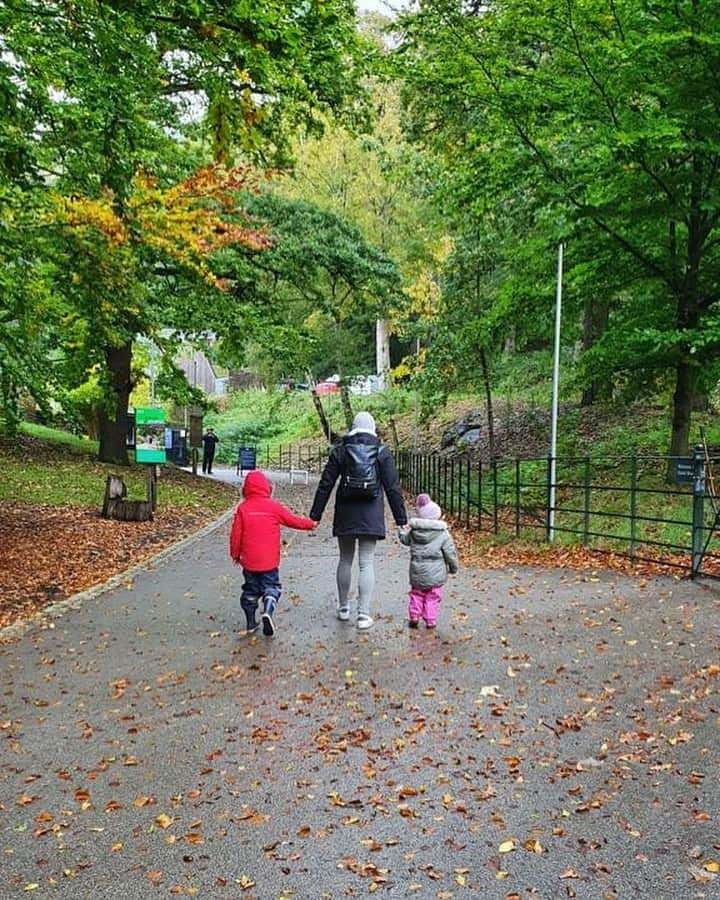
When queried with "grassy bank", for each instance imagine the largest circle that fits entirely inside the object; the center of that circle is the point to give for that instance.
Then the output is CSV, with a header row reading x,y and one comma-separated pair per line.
x,y
274,418
52,468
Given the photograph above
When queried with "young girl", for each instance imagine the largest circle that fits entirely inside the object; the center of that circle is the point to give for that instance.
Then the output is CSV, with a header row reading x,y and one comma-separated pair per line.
x,y
432,556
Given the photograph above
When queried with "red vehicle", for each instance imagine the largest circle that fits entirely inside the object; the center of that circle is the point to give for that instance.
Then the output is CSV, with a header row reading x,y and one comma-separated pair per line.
x,y
327,387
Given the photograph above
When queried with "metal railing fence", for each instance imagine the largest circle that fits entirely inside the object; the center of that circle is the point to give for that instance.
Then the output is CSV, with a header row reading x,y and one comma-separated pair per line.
x,y
619,504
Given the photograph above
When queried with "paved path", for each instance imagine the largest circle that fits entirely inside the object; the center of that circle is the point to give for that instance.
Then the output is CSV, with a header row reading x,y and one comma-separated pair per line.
x,y
148,749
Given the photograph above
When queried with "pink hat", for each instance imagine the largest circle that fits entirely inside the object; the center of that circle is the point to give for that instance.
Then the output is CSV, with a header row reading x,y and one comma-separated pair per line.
x,y
426,508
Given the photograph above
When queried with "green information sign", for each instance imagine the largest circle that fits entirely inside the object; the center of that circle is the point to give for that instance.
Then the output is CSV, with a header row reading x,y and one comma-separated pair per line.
x,y
149,415
150,435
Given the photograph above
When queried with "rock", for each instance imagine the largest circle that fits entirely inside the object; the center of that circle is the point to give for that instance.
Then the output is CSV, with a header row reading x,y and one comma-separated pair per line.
x,y
471,436
452,434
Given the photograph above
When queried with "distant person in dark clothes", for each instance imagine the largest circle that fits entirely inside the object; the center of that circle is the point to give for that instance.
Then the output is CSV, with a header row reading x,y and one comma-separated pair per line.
x,y
210,439
366,472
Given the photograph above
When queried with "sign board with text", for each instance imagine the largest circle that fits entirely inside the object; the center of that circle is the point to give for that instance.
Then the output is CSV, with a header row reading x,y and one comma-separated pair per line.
x,y
150,435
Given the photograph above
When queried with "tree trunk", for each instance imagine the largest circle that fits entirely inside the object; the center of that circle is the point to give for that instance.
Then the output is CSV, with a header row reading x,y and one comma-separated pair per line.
x,y
323,418
682,405
346,405
382,351
114,425
595,320
488,401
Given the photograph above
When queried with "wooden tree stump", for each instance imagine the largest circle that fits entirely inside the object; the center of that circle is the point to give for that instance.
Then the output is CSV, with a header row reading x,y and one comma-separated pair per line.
x,y
117,506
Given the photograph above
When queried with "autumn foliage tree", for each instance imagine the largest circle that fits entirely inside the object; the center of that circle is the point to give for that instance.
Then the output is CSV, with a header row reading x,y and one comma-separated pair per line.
x,y
164,230
104,92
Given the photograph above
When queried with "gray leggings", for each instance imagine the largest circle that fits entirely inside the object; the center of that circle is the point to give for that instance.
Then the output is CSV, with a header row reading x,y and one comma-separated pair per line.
x,y
366,579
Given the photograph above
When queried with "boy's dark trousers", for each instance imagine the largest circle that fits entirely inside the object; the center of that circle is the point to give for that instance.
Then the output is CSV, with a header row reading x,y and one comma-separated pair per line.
x,y
256,586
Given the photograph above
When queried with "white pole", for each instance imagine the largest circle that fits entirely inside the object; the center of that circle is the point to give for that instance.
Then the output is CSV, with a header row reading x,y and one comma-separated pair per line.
x,y
555,391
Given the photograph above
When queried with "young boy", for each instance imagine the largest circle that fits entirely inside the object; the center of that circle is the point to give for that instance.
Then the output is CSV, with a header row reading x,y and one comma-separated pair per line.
x,y
432,555
255,545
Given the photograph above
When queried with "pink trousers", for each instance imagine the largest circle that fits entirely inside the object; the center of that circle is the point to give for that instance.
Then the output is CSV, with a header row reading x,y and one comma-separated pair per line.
x,y
424,603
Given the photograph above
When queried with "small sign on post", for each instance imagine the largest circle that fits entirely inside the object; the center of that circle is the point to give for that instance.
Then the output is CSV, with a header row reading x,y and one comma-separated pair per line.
x,y
150,435
247,460
684,470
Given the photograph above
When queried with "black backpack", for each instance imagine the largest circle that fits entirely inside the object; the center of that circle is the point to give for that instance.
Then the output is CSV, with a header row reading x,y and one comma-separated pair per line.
x,y
359,479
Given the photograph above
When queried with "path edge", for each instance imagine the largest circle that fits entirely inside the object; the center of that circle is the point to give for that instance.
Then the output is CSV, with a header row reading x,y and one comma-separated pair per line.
x,y
56,610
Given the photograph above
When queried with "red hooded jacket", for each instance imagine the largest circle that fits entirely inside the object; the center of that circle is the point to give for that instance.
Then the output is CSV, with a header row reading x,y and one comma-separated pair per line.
x,y
255,534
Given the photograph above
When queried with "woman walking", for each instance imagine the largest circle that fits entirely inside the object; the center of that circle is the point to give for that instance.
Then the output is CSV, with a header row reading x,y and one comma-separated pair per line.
x,y
366,472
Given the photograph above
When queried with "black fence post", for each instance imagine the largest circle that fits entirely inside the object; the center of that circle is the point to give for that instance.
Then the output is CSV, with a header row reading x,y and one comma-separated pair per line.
x,y
468,491
479,497
452,486
586,502
633,504
495,495
517,498
444,478
698,510
548,501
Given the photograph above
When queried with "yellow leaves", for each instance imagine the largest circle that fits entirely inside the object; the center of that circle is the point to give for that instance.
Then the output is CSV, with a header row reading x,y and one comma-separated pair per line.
x,y
533,846
87,214
164,821
507,846
187,221
711,865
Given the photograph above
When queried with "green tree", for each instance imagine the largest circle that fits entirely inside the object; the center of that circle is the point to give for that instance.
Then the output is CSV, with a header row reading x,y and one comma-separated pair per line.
x,y
372,179
311,300
111,89
606,113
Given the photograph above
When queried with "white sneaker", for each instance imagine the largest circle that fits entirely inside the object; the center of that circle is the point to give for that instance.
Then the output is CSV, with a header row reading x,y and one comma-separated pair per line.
x,y
343,613
364,622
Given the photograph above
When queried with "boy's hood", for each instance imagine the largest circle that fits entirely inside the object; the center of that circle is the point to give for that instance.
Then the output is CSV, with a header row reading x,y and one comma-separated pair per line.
x,y
256,485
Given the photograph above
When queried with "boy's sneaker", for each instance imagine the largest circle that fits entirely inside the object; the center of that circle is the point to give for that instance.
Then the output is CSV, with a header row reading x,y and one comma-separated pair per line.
x,y
364,622
343,613
269,604
252,624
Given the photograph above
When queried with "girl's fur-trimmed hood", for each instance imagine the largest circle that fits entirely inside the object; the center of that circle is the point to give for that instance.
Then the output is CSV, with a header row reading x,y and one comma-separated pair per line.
x,y
427,524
